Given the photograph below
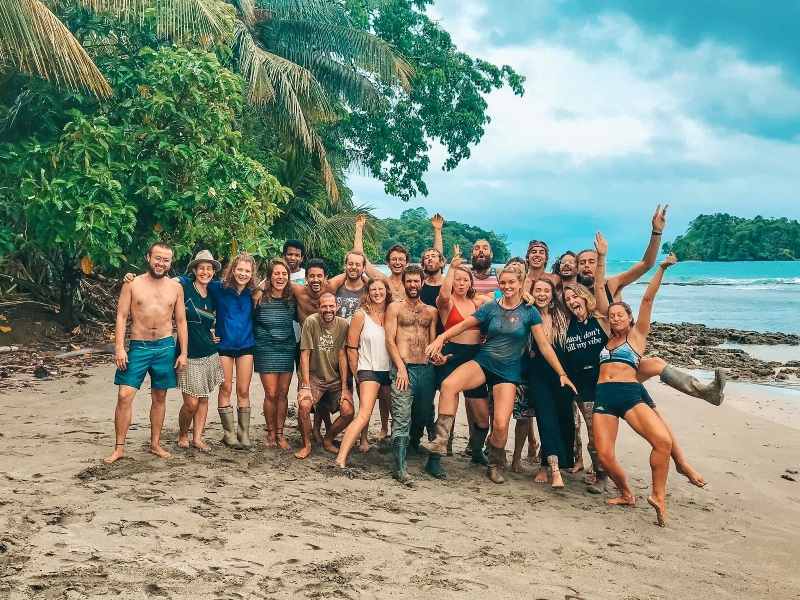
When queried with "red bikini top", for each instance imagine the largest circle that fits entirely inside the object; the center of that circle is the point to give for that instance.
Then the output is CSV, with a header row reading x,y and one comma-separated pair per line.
x,y
454,318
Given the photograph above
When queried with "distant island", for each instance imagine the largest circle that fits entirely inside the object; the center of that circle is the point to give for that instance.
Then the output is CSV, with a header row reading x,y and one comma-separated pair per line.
x,y
414,231
724,237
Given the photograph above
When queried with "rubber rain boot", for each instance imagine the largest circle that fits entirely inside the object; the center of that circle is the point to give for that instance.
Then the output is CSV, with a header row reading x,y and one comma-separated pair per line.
x,y
434,467
497,464
399,449
444,423
478,442
228,427
243,432
683,382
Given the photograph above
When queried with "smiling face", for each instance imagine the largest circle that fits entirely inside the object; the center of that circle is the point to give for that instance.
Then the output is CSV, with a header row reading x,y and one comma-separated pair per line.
x,y
279,278
243,273
542,294
412,284
397,262
567,266
377,292
315,280
575,304
510,284
203,272
327,308
461,282
354,266
618,319
293,257
537,257
159,261
587,263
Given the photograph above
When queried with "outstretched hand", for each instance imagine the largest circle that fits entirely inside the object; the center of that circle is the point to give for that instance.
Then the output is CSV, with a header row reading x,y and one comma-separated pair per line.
x,y
435,347
669,261
660,218
600,244
457,260
437,221
361,220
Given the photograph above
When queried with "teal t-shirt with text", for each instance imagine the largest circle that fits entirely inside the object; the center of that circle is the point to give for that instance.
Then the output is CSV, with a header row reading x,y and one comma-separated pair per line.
x,y
506,332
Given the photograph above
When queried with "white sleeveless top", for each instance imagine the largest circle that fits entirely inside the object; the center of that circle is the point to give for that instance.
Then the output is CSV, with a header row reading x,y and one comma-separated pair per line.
x,y
372,353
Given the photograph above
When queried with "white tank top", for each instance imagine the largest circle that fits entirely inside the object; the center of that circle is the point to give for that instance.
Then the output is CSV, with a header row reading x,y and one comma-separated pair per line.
x,y
372,353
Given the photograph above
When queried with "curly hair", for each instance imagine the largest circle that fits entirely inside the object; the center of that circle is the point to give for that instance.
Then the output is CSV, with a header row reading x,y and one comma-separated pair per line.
x,y
228,279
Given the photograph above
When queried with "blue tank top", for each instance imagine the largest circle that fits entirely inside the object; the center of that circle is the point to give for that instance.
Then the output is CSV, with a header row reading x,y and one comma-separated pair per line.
x,y
624,353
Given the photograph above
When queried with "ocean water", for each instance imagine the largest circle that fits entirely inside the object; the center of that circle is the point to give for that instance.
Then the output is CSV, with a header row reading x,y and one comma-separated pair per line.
x,y
756,296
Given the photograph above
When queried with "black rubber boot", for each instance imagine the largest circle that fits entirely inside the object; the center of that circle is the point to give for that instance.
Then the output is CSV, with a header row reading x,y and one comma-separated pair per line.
x,y
434,467
478,441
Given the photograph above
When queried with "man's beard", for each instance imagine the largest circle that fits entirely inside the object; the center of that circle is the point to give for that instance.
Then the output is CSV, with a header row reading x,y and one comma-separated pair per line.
x,y
328,317
153,274
587,280
412,293
481,263
430,271
353,277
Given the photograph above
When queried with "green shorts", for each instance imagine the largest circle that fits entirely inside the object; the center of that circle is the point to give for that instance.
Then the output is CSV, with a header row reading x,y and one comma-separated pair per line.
x,y
156,357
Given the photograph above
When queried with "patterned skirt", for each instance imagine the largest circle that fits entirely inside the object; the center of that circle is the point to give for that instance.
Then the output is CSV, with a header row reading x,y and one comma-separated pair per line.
x,y
522,408
201,376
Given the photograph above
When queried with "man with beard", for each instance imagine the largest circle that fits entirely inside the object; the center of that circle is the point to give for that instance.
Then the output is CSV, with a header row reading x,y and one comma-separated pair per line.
x,y
397,261
484,276
567,269
151,300
349,286
323,373
587,261
432,264
410,326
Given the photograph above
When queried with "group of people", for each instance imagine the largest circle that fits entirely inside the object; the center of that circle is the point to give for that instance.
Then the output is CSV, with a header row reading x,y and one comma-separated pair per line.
x,y
558,347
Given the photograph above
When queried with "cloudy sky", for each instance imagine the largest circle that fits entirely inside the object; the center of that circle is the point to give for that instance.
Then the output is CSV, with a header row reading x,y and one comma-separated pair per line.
x,y
627,104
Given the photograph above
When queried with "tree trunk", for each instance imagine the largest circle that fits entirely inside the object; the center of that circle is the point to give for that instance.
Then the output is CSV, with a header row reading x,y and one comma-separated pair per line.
x,y
69,283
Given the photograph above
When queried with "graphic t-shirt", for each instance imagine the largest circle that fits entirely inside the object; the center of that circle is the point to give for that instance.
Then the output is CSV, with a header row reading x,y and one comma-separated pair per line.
x,y
324,344
199,320
347,301
582,348
506,332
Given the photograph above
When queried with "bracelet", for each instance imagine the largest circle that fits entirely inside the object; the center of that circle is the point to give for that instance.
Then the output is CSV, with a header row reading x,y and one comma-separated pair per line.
x,y
654,232
304,387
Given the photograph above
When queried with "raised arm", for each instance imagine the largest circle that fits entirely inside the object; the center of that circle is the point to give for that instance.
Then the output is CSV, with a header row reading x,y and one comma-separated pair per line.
x,y
358,236
601,247
646,305
443,299
353,338
123,312
390,325
437,221
183,329
547,352
659,221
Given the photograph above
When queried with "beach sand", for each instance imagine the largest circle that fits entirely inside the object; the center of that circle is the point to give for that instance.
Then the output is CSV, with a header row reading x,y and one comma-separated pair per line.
x,y
261,524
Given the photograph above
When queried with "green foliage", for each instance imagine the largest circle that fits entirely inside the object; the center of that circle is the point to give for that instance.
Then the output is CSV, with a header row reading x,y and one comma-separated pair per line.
x,y
413,230
723,237
445,103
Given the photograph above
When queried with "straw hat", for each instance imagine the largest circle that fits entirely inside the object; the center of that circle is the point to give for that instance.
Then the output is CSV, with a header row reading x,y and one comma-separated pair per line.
x,y
204,256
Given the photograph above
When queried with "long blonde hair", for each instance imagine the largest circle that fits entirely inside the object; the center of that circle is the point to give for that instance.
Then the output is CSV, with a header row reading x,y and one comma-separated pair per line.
x,y
228,279
583,292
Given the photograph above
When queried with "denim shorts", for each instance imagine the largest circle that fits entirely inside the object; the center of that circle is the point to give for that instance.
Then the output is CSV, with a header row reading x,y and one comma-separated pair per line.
x,y
381,377
156,357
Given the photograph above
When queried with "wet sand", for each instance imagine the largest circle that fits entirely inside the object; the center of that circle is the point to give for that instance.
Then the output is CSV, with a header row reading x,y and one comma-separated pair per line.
x,y
261,524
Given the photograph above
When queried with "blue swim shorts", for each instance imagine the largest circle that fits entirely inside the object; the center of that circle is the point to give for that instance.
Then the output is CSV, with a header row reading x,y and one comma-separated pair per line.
x,y
156,357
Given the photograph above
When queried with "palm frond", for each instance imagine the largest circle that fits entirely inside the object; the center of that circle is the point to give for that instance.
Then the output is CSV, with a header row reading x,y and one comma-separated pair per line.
x,y
34,41
317,10
247,8
300,40
174,18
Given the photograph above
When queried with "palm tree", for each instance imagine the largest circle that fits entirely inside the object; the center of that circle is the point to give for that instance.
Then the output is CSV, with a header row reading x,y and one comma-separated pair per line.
x,y
34,41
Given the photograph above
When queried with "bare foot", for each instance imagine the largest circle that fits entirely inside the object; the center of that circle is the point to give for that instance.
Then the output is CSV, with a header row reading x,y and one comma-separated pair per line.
x,y
382,435
577,467
340,465
624,500
119,452
159,452
201,445
330,446
363,448
558,482
541,476
183,440
269,441
304,452
516,466
691,474
590,478
282,443
661,510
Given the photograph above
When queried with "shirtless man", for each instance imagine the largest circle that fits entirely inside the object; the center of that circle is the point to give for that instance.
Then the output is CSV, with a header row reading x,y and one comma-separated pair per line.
x,y
151,300
323,376
410,326
587,261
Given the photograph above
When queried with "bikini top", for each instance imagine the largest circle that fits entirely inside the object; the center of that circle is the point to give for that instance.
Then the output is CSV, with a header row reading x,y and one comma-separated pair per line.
x,y
624,353
454,318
